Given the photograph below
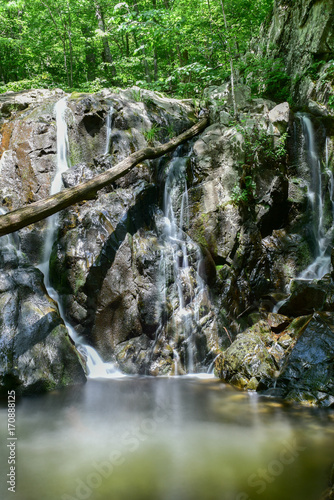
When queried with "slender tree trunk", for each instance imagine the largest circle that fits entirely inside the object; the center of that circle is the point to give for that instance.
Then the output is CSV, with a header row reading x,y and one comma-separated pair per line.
x,y
179,55
87,190
146,67
61,36
155,65
155,53
211,29
69,33
90,53
106,49
235,109
127,48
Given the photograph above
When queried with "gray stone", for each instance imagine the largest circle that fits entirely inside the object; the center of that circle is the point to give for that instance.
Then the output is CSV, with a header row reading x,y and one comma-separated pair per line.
x,y
36,352
279,117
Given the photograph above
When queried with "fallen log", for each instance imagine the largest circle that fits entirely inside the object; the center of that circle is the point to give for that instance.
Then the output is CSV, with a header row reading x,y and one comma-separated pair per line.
x,y
34,212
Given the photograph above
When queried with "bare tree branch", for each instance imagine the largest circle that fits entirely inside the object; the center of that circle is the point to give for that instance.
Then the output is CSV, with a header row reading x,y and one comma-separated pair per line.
x,y
41,209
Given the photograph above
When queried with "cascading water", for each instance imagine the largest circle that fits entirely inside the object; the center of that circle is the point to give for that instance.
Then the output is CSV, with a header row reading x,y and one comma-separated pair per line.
x,y
320,235
12,240
109,127
96,368
321,239
181,258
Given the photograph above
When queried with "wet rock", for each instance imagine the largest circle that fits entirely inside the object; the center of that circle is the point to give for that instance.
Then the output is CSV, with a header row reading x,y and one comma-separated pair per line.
x,y
36,352
28,149
305,298
308,373
273,207
247,360
120,276
79,173
296,364
132,356
278,322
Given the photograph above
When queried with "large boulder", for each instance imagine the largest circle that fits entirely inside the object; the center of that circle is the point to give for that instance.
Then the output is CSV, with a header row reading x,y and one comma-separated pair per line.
x,y
279,117
305,297
308,373
36,352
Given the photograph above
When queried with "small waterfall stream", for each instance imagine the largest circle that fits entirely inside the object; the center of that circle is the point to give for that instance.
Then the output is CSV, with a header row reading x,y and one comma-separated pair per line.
x,y
321,237
96,368
109,128
184,257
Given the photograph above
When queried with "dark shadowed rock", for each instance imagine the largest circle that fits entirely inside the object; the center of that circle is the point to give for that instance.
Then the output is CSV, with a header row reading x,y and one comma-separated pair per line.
x,y
305,298
36,352
308,373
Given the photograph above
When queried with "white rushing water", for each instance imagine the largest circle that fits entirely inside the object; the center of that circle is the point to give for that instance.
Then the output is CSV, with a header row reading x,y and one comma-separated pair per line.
x,y
322,239
109,128
186,257
96,368
10,240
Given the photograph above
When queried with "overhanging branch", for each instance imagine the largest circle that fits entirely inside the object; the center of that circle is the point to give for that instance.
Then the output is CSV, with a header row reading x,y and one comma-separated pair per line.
x,y
41,209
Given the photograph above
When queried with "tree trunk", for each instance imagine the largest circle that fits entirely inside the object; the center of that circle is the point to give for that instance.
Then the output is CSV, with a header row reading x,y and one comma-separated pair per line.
x,y
235,109
155,65
41,209
107,57
145,64
61,35
69,34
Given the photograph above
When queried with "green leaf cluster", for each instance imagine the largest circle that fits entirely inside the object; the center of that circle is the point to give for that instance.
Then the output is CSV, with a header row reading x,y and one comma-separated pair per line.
x,y
246,194
177,47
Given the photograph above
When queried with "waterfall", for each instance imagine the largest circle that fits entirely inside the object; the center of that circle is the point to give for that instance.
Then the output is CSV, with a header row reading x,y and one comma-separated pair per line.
x,y
183,256
10,240
96,368
108,126
321,238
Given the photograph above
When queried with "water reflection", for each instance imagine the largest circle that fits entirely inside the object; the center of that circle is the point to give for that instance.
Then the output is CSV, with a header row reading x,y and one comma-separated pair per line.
x,y
168,439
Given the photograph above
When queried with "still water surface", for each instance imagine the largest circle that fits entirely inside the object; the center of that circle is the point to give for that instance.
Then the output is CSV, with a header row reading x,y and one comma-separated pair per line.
x,y
167,439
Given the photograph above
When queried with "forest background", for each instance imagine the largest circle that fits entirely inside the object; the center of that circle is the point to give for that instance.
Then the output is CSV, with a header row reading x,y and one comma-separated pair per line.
x,y
177,47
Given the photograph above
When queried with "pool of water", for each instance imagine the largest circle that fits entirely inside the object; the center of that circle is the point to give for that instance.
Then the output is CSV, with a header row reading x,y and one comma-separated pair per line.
x,y
149,438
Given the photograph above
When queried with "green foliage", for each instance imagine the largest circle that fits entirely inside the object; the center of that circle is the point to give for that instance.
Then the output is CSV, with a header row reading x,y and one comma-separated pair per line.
x,y
177,47
313,70
43,81
331,101
170,131
267,77
259,149
136,95
246,194
151,135
329,71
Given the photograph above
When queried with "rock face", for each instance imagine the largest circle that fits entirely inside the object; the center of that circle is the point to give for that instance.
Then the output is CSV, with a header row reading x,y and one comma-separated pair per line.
x,y
36,352
302,35
308,373
186,259
296,363
28,152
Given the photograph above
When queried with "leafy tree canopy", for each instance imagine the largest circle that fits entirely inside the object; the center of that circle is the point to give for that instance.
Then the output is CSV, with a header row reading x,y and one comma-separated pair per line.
x,y
174,46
